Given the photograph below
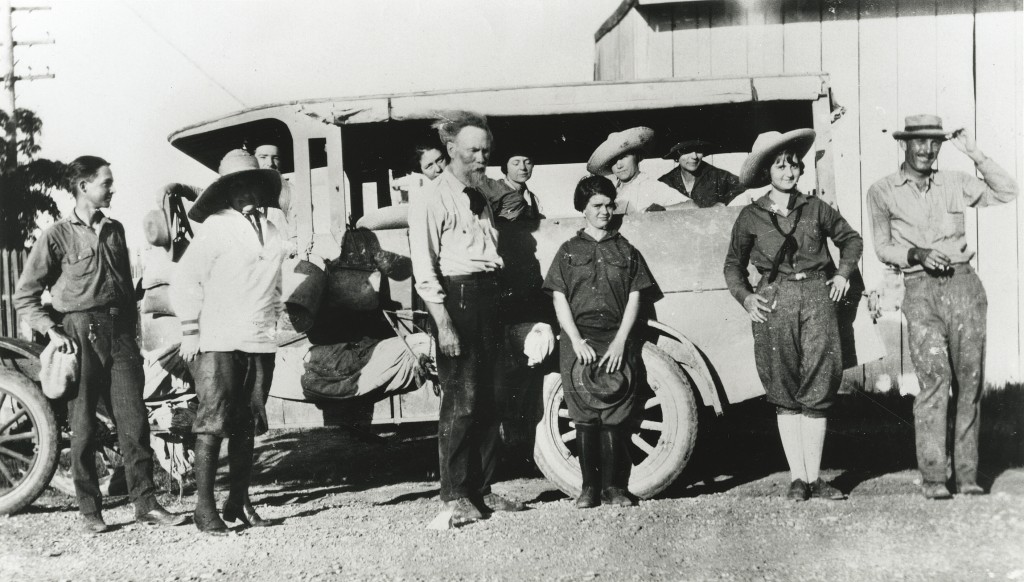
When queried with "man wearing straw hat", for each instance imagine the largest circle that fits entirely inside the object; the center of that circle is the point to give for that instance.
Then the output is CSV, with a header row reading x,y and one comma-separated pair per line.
x,y
454,251
227,293
83,260
620,155
917,217
693,177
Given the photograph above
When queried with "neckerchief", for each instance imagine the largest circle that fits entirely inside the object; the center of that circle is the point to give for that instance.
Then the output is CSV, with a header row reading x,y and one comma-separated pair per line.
x,y
788,249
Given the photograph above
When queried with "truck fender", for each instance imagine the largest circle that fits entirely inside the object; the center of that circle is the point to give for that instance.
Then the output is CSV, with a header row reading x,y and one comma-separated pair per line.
x,y
682,350
20,348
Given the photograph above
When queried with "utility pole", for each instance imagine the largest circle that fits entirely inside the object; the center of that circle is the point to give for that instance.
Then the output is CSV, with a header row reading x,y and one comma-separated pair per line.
x,y
7,44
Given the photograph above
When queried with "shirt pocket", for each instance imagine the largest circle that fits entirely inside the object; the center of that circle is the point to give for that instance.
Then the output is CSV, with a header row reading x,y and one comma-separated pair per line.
x,y
579,259
79,262
811,238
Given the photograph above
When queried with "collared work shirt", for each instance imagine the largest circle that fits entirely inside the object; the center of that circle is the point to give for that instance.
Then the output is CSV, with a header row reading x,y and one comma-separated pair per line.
x,y
756,240
447,239
516,203
84,267
904,217
597,277
231,284
711,185
638,194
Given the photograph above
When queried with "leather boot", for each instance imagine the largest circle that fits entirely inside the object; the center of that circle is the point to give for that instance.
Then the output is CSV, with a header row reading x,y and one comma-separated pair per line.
x,y
615,466
237,507
207,454
590,458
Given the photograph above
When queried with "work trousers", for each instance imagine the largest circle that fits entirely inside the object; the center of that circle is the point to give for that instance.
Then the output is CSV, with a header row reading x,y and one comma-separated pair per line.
x,y
468,439
111,369
946,319
797,350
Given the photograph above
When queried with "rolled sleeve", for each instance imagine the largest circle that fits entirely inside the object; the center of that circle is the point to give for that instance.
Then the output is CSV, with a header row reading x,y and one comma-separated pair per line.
x,y
888,250
555,279
42,268
995,187
640,278
425,226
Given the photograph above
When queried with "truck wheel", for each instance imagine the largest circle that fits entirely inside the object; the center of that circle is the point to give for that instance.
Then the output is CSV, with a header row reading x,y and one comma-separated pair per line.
x,y
662,440
28,441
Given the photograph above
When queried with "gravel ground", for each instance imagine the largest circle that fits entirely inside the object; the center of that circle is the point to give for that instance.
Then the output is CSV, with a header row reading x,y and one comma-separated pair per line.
x,y
350,507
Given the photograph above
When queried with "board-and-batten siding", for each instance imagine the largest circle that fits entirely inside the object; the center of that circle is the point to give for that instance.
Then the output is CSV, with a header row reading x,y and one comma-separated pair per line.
x,y
886,59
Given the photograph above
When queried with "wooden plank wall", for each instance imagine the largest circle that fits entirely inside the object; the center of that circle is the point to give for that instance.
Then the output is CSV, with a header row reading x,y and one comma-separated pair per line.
x,y
961,59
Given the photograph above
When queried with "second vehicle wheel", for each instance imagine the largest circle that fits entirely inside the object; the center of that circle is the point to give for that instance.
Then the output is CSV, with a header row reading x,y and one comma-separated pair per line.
x,y
28,441
662,441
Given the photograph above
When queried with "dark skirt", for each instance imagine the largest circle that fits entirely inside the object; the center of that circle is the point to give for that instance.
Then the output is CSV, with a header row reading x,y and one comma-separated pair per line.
x,y
605,399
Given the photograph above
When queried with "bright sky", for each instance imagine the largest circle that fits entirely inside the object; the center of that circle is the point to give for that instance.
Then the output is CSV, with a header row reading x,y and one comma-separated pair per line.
x,y
129,73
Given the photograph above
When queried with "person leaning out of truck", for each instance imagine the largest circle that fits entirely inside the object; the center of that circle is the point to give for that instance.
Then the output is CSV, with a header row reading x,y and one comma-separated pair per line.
x,y
796,336
637,191
596,280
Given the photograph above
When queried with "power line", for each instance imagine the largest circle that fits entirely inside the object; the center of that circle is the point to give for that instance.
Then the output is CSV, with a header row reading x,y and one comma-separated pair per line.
x,y
183,55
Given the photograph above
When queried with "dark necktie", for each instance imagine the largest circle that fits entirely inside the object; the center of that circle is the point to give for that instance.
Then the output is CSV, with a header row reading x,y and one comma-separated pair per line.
x,y
477,202
254,219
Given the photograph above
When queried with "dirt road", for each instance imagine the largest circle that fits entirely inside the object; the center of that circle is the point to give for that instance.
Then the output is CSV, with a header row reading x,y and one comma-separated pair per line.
x,y
348,508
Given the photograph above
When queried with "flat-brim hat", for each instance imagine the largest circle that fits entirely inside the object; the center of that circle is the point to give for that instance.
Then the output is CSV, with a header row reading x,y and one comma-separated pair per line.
x,y
687,146
921,126
237,165
601,385
633,139
767,147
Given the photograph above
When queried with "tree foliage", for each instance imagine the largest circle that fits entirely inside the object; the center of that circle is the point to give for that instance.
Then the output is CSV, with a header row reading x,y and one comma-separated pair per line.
x,y
25,190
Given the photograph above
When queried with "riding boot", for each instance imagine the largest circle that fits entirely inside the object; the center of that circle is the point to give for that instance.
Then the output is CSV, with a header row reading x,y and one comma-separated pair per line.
x,y
207,454
590,458
615,466
237,506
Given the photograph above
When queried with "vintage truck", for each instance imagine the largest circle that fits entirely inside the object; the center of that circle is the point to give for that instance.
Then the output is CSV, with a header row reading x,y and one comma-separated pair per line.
x,y
341,158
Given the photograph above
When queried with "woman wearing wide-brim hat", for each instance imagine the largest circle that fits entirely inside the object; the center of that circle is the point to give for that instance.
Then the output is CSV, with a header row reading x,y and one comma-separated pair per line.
x,y
227,292
620,156
796,336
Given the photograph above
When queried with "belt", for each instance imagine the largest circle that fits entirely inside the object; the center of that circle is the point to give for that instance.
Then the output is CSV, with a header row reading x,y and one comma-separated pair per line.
x,y
954,269
801,276
114,312
479,276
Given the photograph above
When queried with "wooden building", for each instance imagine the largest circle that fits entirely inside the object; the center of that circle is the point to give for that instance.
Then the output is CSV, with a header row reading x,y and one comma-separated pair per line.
x,y
960,59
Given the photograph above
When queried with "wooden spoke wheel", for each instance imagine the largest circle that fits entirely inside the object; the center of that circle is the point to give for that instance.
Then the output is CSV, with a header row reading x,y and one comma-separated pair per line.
x,y
28,441
662,439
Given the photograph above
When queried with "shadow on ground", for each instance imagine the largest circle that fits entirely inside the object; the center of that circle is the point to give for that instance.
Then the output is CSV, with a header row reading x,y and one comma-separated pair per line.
x,y
869,435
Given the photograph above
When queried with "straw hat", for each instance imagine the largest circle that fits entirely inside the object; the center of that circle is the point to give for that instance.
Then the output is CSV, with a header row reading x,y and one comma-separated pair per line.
x,y
766,147
921,126
687,146
636,138
237,164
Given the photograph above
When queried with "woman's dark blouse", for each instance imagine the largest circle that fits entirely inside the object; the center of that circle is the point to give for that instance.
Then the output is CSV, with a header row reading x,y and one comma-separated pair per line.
x,y
597,277
756,240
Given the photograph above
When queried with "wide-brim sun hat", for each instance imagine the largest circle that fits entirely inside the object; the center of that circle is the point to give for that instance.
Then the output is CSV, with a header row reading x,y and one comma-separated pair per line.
x,y
687,146
156,229
767,147
237,165
618,143
921,126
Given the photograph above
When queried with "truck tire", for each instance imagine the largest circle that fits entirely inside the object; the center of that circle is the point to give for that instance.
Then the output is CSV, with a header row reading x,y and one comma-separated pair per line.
x,y
662,440
28,441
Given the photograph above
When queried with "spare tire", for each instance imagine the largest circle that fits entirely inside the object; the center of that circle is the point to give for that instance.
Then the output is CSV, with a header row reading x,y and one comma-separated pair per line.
x,y
661,441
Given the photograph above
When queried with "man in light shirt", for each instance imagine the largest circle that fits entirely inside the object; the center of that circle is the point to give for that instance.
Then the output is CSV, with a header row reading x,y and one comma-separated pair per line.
x,y
454,251
620,155
917,219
